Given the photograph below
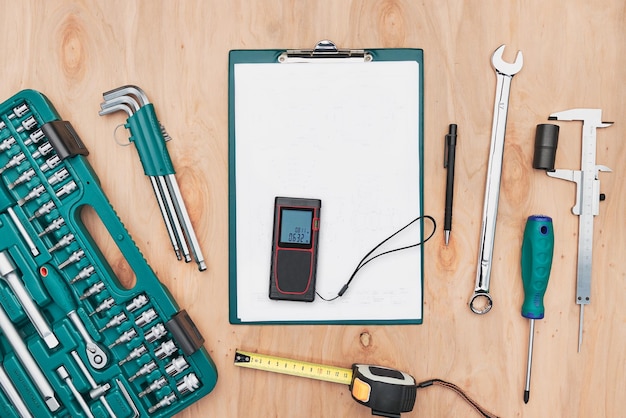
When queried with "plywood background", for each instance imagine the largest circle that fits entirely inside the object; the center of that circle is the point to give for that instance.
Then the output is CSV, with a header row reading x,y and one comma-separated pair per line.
x,y
177,51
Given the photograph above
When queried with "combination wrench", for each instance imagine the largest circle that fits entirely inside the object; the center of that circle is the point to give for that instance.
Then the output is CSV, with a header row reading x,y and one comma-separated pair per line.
x,y
481,302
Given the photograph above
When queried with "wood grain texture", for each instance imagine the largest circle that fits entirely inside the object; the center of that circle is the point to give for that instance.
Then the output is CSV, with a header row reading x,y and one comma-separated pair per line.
x,y
177,51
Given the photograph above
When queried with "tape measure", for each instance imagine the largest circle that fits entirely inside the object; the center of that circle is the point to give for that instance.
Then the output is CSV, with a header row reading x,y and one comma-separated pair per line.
x,y
388,392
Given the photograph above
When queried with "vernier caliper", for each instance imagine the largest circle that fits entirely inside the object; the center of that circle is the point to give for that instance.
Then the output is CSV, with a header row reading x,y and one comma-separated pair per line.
x,y
587,198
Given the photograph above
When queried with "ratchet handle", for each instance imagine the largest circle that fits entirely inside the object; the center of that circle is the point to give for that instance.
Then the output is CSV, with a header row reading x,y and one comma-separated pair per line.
x,y
537,253
56,287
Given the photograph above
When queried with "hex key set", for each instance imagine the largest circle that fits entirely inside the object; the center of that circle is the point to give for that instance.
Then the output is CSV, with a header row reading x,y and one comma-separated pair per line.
x,y
73,340
149,137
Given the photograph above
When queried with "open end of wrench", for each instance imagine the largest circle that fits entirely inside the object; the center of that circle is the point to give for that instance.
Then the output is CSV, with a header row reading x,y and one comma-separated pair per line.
x,y
504,67
480,303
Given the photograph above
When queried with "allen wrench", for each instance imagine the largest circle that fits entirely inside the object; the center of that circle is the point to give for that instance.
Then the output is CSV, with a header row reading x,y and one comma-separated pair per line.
x,y
150,137
114,103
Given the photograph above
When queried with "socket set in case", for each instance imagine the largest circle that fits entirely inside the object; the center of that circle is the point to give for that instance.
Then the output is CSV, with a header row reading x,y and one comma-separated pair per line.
x,y
73,340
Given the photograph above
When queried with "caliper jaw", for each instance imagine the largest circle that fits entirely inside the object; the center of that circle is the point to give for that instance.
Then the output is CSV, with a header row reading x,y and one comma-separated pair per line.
x,y
576,177
592,119
589,117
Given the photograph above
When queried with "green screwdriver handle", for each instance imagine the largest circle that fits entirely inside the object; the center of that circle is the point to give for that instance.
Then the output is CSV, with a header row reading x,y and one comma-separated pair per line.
x,y
537,252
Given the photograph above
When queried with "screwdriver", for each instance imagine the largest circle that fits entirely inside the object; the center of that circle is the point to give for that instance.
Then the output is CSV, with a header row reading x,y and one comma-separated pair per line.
x,y
537,252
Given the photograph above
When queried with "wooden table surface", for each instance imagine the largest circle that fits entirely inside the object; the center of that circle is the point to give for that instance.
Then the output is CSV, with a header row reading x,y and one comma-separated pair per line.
x,y
177,51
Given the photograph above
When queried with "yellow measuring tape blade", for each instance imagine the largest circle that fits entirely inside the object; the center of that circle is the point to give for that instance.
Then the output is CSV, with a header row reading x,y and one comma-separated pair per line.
x,y
293,367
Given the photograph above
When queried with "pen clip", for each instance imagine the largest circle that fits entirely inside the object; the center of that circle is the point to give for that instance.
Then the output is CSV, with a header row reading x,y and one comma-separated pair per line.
x,y
447,144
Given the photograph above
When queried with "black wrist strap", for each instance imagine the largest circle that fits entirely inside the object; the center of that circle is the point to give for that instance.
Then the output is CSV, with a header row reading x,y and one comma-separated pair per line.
x,y
365,260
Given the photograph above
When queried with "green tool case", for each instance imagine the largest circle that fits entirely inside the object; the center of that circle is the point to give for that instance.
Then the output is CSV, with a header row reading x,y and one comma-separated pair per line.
x,y
73,340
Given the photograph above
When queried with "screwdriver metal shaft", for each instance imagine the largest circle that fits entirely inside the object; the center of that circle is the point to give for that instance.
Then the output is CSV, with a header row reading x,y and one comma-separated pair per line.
x,y
530,360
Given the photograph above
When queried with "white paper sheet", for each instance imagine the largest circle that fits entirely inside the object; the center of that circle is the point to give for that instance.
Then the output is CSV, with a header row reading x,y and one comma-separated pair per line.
x,y
348,134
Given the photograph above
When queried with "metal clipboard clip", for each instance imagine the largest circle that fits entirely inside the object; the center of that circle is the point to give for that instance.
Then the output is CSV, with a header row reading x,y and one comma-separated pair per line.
x,y
325,50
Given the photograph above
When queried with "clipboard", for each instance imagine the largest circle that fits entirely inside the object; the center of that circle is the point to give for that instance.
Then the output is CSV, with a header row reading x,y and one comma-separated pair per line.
x,y
346,127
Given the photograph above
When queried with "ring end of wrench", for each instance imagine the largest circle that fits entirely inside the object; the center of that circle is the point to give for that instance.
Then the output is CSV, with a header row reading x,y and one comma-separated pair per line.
x,y
487,302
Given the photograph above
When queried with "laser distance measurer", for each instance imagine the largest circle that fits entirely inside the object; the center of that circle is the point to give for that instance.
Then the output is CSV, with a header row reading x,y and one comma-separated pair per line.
x,y
294,248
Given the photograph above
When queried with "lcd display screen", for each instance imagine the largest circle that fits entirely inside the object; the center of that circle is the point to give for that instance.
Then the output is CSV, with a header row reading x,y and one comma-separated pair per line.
x,y
295,226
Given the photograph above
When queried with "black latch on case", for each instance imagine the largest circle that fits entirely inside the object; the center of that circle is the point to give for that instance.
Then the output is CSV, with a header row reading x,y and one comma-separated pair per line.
x,y
64,139
185,332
